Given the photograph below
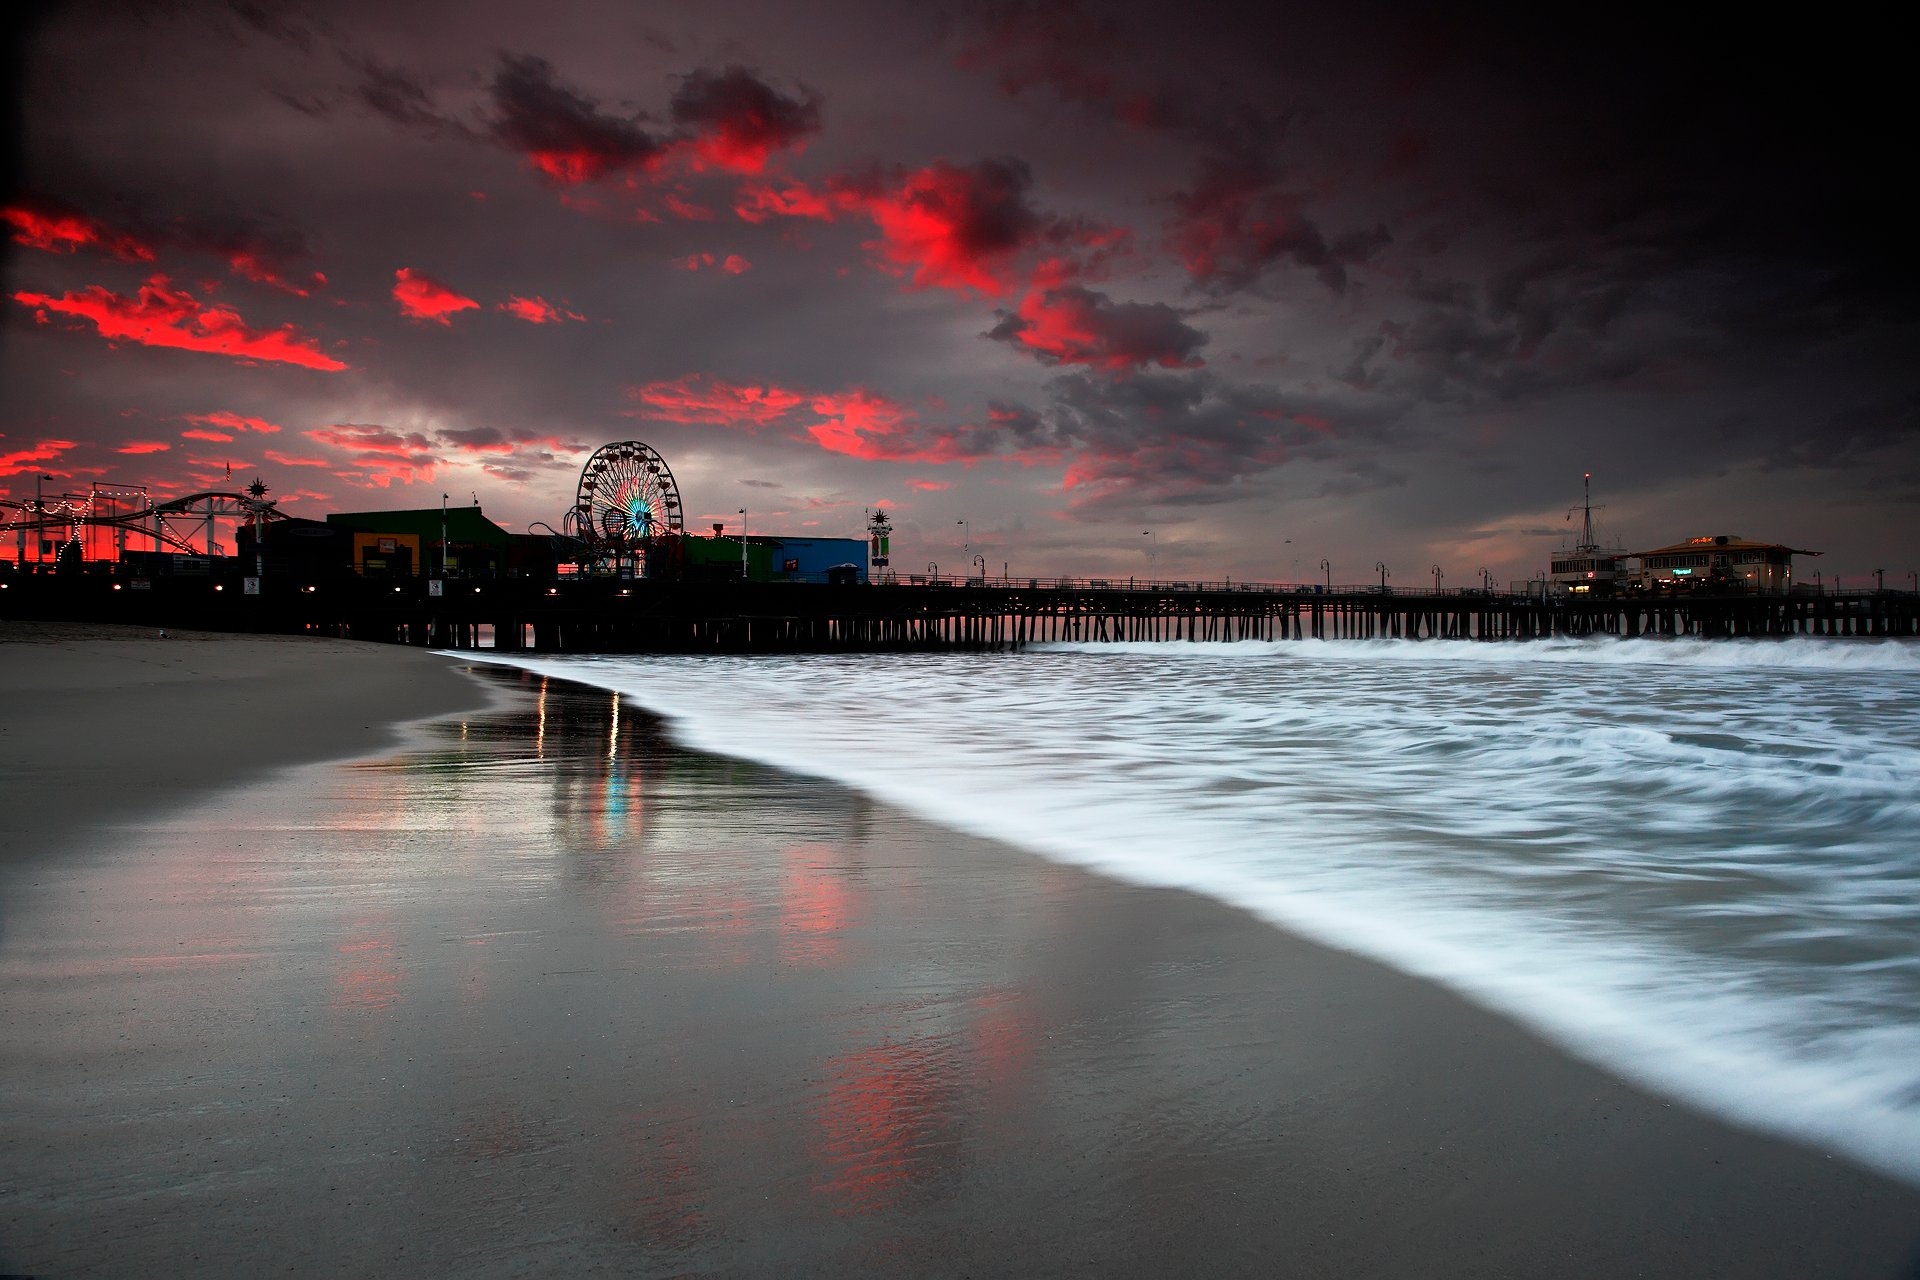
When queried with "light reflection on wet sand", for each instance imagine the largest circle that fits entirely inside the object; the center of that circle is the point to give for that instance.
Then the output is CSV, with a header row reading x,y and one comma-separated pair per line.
x,y
548,995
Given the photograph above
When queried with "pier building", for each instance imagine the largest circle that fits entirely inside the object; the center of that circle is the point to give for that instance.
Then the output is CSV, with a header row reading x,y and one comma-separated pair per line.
x,y
1720,562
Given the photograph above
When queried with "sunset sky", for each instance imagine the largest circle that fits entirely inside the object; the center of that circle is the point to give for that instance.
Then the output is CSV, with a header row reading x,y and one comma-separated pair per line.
x,y
1277,283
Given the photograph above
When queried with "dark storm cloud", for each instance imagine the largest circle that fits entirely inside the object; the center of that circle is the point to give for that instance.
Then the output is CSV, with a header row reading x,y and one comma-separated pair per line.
x,y
738,120
1189,437
1073,325
1237,221
561,131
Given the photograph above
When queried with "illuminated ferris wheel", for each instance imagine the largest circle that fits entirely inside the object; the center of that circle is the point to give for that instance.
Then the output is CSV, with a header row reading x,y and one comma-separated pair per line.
x,y
627,502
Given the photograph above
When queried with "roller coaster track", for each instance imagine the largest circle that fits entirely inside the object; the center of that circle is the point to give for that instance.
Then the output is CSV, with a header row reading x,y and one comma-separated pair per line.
x,y
172,523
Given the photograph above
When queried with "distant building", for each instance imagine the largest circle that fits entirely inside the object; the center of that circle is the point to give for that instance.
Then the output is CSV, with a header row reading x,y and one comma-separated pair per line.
x,y
1720,562
397,544
776,558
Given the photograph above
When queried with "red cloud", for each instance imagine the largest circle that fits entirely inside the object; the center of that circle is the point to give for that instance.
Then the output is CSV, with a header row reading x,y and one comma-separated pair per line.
x,y
162,316
928,486
739,121
42,225
144,446
947,226
382,454
34,459
211,437
860,424
757,201
563,134
733,264
258,265
1078,326
232,421
700,398
423,298
287,460
536,310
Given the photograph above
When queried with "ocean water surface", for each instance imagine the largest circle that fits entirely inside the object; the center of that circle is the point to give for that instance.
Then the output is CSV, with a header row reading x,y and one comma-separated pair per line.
x,y
1695,863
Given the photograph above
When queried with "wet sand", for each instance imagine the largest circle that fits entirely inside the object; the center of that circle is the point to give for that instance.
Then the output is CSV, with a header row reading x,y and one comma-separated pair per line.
x,y
544,995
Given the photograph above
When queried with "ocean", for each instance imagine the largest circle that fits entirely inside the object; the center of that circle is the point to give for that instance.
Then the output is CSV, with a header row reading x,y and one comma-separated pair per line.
x,y
1694,863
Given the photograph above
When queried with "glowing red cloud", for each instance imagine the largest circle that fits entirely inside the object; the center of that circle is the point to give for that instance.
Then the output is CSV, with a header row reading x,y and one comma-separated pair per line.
x,y
232,422
733,264
563,133
957,228
382,454
257,266
1078,326
423,298
686,211
928,486
162,316
756,202
536,311
739,121
39,225
860,424
144,446
700,398
948,226
211,437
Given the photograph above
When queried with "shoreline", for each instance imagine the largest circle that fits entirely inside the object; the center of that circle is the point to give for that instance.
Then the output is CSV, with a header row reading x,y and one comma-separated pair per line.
x,y
803,1031
115,723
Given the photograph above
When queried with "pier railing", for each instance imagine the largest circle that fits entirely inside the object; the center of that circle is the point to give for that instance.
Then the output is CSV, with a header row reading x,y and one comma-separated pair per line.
x,y
604,614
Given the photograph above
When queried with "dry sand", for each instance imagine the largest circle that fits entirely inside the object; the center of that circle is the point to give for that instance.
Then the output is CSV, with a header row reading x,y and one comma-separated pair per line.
x,y
541,994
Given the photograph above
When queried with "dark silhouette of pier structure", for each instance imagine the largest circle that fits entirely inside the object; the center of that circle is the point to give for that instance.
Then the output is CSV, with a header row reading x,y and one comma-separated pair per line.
x,y
604,614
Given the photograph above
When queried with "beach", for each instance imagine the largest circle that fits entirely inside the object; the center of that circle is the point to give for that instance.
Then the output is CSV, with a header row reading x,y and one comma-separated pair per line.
x,y
528,989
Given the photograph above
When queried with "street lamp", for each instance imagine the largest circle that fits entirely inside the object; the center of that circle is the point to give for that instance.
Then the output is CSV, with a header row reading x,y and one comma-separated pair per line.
x,y
1327,568
443,535
1381,565
743,544
1486,580
966,542
980,562
1153,551
1880,579
1437,575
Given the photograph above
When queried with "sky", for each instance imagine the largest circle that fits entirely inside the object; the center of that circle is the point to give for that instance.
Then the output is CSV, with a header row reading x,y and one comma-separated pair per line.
x,y
1191,291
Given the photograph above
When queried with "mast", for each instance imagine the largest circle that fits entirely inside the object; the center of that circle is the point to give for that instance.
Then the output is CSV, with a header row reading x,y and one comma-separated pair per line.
x,y
1587,543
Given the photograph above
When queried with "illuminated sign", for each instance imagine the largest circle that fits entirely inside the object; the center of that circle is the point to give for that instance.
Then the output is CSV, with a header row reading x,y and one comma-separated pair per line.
x,y
1681,573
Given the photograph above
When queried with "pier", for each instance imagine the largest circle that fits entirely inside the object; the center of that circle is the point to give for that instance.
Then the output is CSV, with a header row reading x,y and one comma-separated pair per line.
x,y
594,614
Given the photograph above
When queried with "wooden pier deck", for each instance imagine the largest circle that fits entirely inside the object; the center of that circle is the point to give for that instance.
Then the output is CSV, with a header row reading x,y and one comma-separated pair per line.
x,y
608,615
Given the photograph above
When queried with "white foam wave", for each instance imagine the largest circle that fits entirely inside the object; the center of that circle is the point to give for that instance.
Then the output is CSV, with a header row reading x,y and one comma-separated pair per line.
x,y
1704,879
1796,653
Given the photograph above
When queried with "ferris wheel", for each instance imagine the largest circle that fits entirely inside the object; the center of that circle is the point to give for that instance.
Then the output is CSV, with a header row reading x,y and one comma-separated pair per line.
x,y
627,500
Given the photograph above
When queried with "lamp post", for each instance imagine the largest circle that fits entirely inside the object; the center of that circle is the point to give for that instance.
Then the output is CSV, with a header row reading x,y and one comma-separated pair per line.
x,y
1381,565
1879,579
743,544
980,562
1437,575
966,542
1326,567
443,535
1486,580
1153,551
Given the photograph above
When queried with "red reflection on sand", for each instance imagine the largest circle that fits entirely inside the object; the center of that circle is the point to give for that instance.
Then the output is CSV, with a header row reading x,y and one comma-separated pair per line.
x,y
878,1120
369,975
1002,1042
816,907
667,1202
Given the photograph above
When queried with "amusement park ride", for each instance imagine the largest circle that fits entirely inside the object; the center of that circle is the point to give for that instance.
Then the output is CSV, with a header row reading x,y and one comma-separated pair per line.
x,y
69,525
627,514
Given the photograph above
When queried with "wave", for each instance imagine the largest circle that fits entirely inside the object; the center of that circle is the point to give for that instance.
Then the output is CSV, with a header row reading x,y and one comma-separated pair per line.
x,y
1707,886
